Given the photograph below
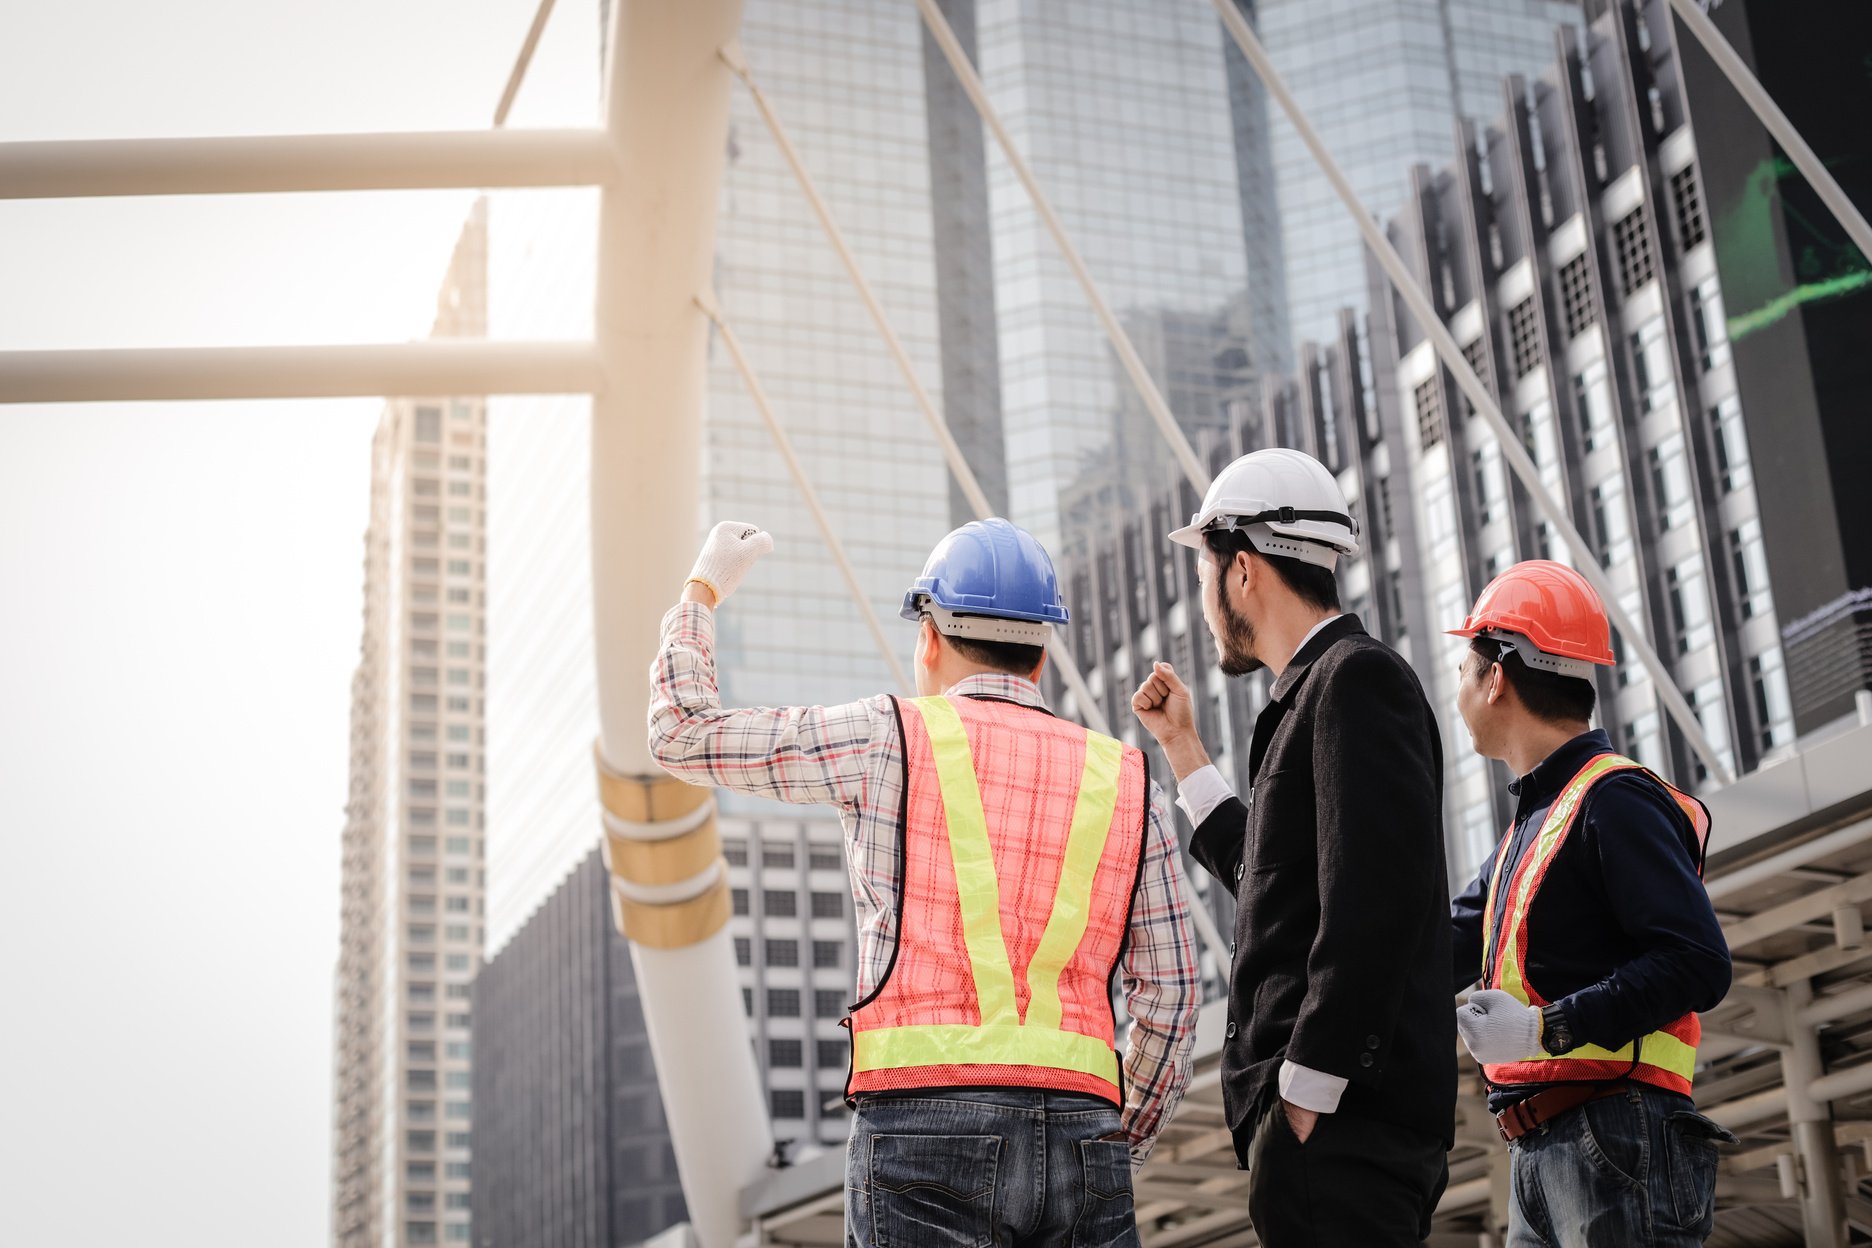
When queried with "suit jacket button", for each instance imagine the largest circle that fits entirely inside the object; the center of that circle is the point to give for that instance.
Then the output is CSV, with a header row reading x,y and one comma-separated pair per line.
x,y
1241,869
1231,1029
1231,948
1365,1059
1371,1042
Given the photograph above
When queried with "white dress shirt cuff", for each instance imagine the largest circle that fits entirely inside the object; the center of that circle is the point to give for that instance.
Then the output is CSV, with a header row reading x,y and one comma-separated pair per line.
x,y
1311,1089
1200,792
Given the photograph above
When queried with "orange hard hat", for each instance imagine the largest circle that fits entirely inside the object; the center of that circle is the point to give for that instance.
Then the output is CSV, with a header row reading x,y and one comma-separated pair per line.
x,y
1549,604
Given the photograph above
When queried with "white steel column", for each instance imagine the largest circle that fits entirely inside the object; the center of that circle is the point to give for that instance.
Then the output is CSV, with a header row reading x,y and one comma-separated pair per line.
x,y
1421,309
666,109
1823,1216
1757,98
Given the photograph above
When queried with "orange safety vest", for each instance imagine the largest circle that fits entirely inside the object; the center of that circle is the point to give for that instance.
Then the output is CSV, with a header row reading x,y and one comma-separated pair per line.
x,y
1667,1057
1023,839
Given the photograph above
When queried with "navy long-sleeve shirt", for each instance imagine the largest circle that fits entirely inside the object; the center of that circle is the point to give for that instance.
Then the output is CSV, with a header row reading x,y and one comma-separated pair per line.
x,y
1621,934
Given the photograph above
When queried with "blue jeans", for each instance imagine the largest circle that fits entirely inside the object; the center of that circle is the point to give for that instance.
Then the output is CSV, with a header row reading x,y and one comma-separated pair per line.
x,y
1628,1171
972,1167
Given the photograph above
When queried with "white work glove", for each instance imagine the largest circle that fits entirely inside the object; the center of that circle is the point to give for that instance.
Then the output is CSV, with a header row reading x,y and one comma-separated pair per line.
x,y
1498,1028
729,552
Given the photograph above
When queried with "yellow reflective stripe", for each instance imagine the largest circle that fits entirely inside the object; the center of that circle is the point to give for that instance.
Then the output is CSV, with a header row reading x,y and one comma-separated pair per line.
x,y
1072,900
1552,829
1000,1044
1488,905
1661,1049
976,885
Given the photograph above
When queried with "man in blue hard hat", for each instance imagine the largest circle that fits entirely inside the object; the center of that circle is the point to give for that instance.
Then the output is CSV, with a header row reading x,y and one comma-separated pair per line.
x,y
1007,867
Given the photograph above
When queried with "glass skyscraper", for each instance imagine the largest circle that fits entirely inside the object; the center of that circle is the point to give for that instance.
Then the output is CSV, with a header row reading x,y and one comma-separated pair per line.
x,y
1384,82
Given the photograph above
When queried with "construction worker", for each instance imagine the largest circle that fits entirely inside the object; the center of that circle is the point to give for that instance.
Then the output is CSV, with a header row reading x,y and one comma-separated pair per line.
x,y
1594,940
1007,867
1336,1070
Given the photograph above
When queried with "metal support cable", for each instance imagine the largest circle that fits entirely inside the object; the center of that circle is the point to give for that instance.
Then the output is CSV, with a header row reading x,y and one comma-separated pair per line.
x,y
1757,98
1585,559
1120,341
522,62
785,444
1089,708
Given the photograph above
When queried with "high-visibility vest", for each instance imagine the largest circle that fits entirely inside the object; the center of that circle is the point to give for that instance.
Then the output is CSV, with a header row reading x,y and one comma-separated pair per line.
x,y
1022,842
1667,1057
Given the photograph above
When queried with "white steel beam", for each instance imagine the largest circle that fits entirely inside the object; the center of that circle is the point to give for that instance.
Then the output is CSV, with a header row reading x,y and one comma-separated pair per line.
x,y
436,366
1585,559
440,160
1762,104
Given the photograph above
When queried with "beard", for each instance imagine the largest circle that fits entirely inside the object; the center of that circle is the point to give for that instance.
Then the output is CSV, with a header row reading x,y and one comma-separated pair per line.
x,y
1237,641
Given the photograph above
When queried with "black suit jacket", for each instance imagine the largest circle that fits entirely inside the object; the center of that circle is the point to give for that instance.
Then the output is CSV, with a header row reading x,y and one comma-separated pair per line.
x,y
1342,922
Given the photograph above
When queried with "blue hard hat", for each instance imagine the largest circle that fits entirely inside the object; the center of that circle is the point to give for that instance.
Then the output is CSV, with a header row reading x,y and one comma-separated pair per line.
x,y
989,567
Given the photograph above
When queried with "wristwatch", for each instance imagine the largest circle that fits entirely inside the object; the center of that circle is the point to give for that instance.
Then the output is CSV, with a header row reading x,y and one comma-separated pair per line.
x,y
1556,1033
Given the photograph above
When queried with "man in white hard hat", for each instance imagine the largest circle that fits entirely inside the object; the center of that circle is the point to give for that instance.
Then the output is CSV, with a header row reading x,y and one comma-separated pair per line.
x,y
1337,1070
1009,868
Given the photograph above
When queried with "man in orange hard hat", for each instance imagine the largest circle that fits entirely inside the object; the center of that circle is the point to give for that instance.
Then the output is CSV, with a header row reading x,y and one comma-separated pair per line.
x,y
1592,935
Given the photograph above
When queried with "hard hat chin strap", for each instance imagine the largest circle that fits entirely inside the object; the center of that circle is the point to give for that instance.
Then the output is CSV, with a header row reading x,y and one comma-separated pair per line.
x,y
987,627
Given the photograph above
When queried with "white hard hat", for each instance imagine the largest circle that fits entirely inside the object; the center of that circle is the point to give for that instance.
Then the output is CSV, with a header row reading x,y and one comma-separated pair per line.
x,y
1285,501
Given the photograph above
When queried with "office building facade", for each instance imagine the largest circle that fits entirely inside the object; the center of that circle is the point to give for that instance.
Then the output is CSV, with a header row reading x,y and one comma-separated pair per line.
x,y
1581,285
413,882
571,1146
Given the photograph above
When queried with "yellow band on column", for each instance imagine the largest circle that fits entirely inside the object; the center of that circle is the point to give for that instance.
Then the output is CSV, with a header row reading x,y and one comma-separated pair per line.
x,y
677,925
668,861
646,799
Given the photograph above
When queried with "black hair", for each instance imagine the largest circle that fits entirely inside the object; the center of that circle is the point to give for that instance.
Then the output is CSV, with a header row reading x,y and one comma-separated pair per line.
x,y
1548,696
1312,584
1011,657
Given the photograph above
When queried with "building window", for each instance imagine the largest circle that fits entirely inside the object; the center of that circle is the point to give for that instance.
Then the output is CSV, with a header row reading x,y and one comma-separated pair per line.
x,y
420,1171
458,1020
743,951
1651,365
428,424
1689,606
1611,521
830,1053
1670,481
1439,518
1647,740
421,1202
785,1053
1576,297
1774,710
459,1139
1750,558
456,1200
457,845
1476,353
827,953
783,1002
1732,453
735,851
421,1050
783,953
460,1232
459,1110
826,860
419,1141
747,1002
777,856
788,1102
422,1080
1594,403
828,905
1687,202
740,901
419,1232
1485,470
1634,251
1707,701
1524,337
1429,414
1706,318
455,1170
779,904
828,1003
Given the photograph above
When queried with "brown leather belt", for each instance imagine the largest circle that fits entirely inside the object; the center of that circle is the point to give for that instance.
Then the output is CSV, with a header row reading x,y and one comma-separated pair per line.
x,y
1543,1107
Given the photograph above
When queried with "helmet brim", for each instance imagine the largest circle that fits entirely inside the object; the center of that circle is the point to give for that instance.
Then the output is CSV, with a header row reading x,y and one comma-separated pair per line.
x,y
1189,535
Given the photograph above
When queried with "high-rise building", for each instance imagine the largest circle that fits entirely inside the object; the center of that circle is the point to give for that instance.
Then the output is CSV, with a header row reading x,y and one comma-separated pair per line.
x,y
1800,316
1583,288
571,1147
1384,82
413,884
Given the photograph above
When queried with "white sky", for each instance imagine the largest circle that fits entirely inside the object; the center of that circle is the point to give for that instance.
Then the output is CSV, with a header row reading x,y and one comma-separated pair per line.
x,y
180,596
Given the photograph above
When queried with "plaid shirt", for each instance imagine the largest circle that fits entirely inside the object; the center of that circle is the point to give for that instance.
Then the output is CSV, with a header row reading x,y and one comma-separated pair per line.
x,y
850,757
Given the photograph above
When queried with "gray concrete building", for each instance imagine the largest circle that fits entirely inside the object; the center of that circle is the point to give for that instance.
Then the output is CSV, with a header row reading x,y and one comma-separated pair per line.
x,y
1568,250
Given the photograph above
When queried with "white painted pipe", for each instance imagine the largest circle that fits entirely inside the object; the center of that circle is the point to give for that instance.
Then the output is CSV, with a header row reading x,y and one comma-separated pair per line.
x,y
174,374
666,112
441,160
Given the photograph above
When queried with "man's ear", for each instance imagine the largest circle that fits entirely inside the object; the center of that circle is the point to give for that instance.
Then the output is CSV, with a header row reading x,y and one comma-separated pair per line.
x,y
1497,683
1244,569
929,646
